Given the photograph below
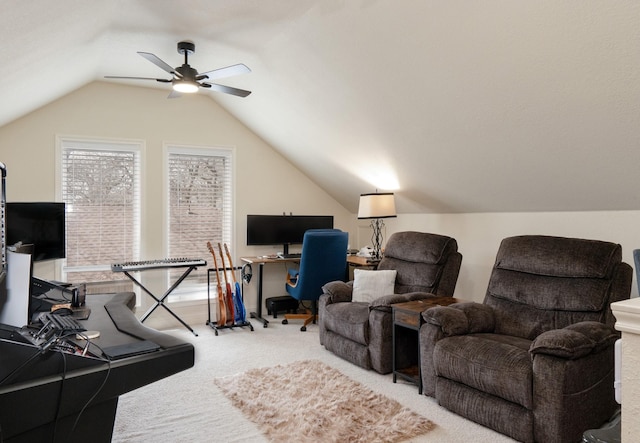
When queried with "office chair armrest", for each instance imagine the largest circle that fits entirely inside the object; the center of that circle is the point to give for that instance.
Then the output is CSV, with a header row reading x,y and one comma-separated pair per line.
x,y
338,291
574,341
292,277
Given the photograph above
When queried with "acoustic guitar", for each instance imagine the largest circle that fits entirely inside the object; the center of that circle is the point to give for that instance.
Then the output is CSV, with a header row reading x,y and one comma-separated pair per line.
x,y
229,300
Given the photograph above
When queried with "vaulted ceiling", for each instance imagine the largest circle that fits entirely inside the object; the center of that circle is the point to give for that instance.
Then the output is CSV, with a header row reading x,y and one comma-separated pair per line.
x,y
456,105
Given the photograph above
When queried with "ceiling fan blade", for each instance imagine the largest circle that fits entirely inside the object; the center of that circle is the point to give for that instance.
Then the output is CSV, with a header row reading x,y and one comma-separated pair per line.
x,y
226,89
161,80
238,69
158,62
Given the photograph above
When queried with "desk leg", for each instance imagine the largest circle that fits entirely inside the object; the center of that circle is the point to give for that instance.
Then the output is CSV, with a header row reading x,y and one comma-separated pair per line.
x,y
393,348
258,315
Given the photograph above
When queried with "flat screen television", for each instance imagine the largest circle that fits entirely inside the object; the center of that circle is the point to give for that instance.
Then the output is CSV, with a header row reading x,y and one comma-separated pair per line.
x,y
41,224
283,230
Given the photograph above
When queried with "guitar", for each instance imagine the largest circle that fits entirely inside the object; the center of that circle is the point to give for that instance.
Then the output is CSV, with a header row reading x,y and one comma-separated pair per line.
x,y
222,303
230,313
238,303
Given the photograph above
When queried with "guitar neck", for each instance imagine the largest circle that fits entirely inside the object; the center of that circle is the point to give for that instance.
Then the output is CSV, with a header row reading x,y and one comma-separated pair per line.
x,y
233,275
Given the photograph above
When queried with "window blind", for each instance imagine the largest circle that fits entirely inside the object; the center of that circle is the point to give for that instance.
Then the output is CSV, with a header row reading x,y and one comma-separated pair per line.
x,y
100,184
200,205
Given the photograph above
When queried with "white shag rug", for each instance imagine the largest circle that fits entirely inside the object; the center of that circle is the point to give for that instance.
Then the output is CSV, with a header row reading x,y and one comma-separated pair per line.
x,y
308,401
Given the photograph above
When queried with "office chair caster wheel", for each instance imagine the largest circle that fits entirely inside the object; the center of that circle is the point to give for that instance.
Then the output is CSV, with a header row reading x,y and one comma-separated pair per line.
x,y
285,322
304,328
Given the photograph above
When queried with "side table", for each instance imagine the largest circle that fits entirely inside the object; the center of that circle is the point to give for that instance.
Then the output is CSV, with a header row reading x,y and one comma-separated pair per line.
x,y
407,319
356,262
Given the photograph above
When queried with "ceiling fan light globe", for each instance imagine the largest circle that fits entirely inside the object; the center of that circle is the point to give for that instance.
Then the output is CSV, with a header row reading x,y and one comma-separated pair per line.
x,y
185,87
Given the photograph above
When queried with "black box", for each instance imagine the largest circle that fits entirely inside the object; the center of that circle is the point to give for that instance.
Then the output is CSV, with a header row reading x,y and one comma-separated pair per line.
x,y
284,303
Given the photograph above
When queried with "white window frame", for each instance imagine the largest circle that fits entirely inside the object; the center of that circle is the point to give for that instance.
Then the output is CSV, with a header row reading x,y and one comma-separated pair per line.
x,y
190,290
102,144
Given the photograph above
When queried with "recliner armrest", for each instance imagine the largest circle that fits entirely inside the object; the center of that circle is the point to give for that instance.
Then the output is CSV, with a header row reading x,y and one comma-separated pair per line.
x,y
338,291
461,318
384,303
574,341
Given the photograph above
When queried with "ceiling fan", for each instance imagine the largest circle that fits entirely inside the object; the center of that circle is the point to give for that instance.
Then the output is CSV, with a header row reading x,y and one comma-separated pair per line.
x,y
185,79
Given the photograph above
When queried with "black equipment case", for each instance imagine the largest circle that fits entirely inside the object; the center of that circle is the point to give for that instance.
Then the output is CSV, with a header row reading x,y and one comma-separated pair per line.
x,y
284,303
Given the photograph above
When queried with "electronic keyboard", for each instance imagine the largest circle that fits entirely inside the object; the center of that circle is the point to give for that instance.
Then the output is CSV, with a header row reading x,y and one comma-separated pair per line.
x,y
157,264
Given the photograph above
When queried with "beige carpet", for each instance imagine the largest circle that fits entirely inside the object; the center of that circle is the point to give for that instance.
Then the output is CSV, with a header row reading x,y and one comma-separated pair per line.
x,y
308,401
188,407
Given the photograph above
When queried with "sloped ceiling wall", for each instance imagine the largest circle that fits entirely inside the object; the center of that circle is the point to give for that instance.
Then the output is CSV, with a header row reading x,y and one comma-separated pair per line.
x,y
457,106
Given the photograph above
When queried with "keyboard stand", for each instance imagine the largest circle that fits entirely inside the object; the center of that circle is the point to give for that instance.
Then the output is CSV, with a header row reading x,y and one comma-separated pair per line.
x,y
160,301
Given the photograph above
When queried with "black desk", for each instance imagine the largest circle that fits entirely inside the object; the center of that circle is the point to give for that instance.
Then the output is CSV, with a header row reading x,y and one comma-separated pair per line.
x,y
43,401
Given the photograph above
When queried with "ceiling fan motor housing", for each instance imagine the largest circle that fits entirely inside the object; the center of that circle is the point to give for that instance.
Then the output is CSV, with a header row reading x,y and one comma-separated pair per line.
x,y
187,72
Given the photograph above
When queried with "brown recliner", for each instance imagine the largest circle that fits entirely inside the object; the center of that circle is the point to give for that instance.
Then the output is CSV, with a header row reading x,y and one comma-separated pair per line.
x,y
535,360
361,332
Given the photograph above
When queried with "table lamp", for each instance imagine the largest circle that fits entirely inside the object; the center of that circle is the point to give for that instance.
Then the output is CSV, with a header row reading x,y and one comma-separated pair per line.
x,y
377,206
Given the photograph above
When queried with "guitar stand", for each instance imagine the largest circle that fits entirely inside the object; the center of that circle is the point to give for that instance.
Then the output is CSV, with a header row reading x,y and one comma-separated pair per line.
x,y
214,325
216,328
160,301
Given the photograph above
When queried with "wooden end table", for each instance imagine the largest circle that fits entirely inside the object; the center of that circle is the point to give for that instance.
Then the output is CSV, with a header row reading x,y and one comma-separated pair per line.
x,y
407,319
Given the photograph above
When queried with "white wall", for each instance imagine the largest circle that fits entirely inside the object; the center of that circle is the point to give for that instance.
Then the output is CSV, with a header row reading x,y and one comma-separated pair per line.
x,y
479,235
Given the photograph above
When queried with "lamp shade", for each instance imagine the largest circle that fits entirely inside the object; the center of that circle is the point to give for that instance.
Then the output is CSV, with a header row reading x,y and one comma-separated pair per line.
x,y
377,205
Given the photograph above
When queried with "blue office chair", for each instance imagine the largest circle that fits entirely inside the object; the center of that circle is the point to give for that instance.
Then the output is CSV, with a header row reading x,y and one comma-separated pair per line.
x,y
323,259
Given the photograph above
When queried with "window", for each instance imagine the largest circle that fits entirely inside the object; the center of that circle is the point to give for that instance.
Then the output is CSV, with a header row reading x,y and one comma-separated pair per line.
x,y
200,209
100,183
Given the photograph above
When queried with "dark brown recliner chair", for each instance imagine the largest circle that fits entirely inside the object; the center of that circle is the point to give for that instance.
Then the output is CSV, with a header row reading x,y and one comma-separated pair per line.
x,y
535,360
361,332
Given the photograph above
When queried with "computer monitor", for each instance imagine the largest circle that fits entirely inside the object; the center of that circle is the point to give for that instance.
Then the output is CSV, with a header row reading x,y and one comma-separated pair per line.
x,y
283,230
41,224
